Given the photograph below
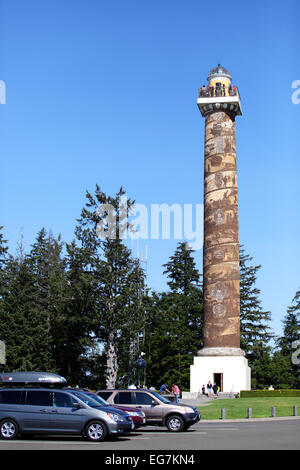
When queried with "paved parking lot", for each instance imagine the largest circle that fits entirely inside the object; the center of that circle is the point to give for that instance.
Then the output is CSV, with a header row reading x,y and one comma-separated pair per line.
x,y
273,434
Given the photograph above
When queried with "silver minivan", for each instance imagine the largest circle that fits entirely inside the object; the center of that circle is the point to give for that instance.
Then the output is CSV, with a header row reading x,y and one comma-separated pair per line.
x,y
43,410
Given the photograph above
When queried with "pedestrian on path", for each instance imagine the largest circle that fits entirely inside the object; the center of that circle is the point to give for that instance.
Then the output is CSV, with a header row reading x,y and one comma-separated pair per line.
x,y
176,392
164,389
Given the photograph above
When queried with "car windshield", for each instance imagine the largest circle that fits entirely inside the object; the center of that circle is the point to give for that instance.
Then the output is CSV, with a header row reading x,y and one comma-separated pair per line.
x,y
98,399
160,397
87,400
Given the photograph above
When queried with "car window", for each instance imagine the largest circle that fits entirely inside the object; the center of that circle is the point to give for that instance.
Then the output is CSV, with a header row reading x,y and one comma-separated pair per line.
x,y
98,399
160,397
12,397
90,401
38,397
104,395
123,398
63,400
143,399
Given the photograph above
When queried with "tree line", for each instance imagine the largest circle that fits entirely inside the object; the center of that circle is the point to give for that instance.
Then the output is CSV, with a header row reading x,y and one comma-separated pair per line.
x,y
83,310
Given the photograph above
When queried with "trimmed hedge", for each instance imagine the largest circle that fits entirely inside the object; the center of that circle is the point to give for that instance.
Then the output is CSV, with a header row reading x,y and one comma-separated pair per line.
x,y
269,393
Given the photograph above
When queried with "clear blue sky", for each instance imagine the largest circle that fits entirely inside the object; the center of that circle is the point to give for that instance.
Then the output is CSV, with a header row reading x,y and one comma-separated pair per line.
x,y
105,92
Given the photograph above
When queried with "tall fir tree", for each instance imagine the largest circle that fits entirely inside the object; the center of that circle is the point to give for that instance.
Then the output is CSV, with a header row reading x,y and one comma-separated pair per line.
x,y
3,262
286,370
291,326
119,278
48,269
3,292
73,322
4,257
18,324
175,331
27,306
255,329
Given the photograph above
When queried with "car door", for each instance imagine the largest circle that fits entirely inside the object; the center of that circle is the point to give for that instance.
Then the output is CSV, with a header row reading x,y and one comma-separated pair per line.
x,y
65,417
37,411
123,398
147,403
12,403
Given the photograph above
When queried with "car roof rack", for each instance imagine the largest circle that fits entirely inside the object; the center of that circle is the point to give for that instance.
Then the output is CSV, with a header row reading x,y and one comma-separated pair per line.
x,y
41,379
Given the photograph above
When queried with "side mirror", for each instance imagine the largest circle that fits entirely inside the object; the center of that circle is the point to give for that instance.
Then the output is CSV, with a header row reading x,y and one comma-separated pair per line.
x,y
154,403
77,405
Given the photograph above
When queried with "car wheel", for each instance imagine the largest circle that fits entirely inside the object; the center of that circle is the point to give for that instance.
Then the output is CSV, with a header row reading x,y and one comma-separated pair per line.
x,y
95,431
8,429
175,423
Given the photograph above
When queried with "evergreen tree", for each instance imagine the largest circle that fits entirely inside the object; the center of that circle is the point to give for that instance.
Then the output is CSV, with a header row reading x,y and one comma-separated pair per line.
x,y
255,330
3,263
27,305
285,371
291,327
175,329
30,305
3,268
18,322
48,271
3,291
73,321
181,271
119,278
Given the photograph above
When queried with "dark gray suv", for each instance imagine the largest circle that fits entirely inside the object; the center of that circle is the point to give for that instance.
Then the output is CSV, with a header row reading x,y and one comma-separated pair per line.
x,y
34,410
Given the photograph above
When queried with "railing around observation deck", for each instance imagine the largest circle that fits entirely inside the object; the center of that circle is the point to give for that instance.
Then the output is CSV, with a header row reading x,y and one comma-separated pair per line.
x,y
217,91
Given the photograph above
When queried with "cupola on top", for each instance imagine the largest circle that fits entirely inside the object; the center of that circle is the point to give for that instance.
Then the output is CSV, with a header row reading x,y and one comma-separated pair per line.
x,y
217,73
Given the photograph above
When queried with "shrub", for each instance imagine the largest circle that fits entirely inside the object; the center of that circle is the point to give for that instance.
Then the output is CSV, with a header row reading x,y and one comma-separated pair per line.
x,y
269,393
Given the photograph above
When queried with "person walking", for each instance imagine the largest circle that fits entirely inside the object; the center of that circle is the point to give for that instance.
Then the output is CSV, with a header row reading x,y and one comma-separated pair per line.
x,y
215,389
209,388
164,389
176,392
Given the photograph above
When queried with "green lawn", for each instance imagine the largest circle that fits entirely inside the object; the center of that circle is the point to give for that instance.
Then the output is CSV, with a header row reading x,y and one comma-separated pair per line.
x,y
236,408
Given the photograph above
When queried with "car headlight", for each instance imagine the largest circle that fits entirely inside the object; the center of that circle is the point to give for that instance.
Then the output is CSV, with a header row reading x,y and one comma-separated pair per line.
x,y
137,413
115,417
189,410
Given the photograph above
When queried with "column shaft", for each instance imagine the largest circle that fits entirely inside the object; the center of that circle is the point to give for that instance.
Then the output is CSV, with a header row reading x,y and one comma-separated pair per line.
x,y
221,271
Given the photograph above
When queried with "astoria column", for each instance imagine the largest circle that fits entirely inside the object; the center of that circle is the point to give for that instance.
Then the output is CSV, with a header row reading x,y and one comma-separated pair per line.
x,y
219,103
221,270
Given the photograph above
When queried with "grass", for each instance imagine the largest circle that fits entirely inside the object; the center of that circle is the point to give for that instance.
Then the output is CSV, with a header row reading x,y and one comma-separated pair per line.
x,y
236,408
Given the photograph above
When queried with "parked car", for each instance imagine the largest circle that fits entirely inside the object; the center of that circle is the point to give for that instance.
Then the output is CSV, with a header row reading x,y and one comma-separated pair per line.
x,y
138,416
158,410
41,410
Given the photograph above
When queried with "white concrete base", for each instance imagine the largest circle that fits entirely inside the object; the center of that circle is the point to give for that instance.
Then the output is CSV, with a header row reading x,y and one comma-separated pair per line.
x,y
236,374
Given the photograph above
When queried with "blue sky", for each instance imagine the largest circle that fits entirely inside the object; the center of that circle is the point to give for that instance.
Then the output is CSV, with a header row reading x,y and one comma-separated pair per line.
x,y
105,92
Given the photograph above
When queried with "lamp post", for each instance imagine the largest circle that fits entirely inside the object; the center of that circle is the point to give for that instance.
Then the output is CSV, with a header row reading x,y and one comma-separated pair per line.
x,y
140,364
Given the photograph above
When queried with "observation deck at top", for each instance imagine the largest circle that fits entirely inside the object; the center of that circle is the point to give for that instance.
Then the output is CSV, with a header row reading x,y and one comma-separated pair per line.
x,y
219,94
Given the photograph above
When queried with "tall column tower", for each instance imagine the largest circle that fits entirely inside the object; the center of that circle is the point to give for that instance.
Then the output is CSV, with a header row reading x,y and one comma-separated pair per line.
x,y
221,360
